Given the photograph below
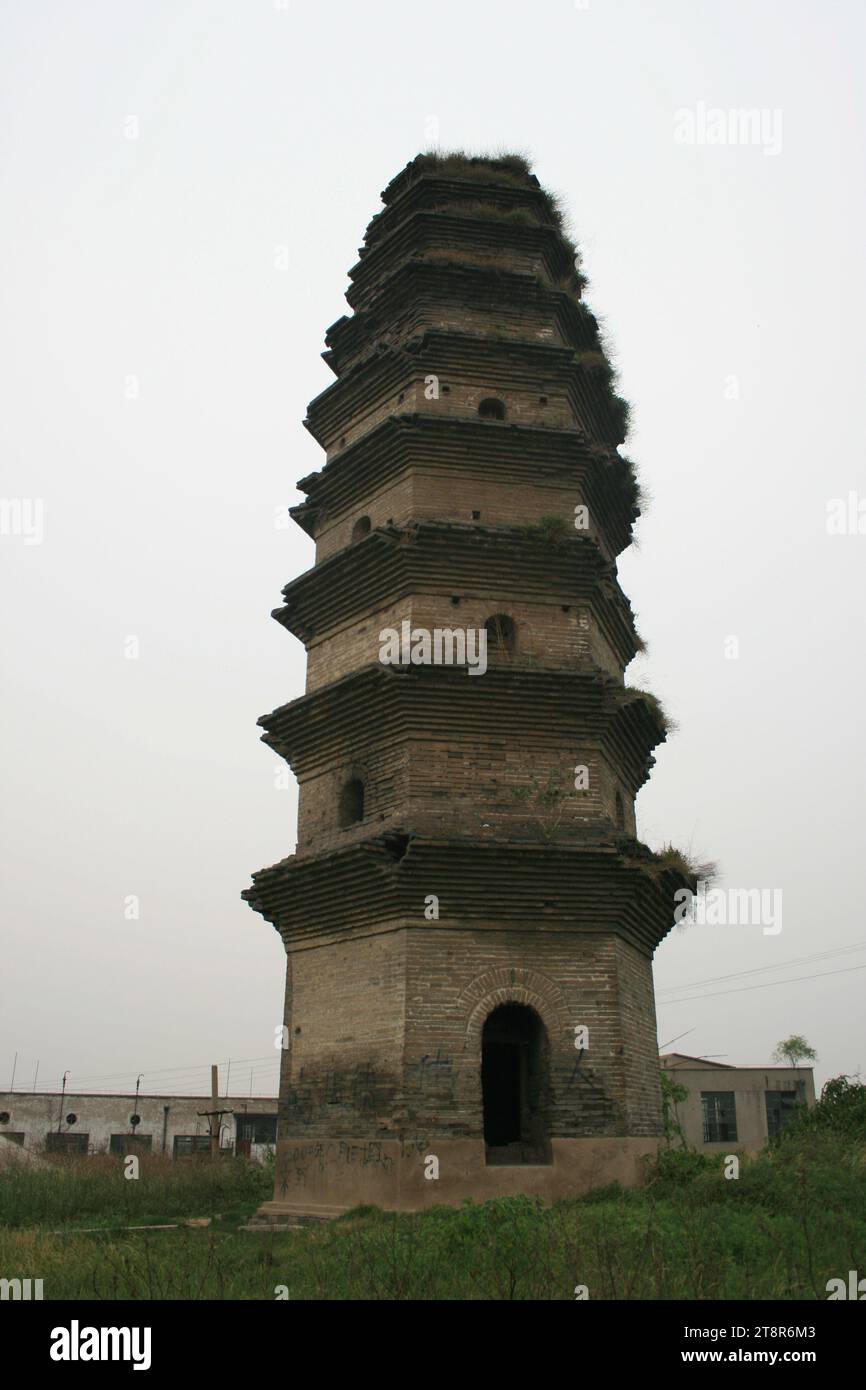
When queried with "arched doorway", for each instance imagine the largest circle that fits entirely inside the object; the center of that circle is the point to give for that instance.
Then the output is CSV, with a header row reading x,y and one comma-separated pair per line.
x,y
514,1084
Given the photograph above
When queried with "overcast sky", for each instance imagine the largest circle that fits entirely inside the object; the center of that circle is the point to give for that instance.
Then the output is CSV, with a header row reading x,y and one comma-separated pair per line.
x,y
160,163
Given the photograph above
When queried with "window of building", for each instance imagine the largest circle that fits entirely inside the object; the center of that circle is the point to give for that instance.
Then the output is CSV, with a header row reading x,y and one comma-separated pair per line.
x,y
360,529
620,813
14,1136
351,803
491,409
501,635
188,1145
256,1129
130,1143
719,1112
781,1106
66,1143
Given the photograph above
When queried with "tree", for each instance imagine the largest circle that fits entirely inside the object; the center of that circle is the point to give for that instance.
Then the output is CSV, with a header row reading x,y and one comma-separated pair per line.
x,y
794,1050
672,1095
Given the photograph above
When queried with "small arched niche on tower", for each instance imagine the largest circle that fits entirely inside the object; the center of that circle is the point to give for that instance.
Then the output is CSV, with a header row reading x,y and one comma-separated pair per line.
x,y
501,637
619,812
361,529
351,803
491,409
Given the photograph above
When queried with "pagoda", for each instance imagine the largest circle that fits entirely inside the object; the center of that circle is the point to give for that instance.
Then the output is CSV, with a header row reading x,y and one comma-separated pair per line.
x,y
469,917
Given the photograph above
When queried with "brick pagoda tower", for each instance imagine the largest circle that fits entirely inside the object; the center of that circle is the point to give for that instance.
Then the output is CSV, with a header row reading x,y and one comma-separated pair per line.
x,y
469,919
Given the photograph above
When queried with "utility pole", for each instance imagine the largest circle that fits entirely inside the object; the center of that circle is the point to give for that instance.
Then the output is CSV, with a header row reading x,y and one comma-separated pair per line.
x,y
214,1116
214,1119
62,1097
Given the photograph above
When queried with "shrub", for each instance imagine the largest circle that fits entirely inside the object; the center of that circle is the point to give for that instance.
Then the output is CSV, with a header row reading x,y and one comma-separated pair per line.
x,y
840,1112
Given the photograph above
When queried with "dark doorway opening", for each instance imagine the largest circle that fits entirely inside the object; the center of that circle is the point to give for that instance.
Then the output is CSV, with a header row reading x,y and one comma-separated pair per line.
x,y
514,1068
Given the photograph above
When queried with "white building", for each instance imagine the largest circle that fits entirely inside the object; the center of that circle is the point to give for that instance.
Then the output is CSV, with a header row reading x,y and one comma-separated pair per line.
x,y
177,1126
729,1107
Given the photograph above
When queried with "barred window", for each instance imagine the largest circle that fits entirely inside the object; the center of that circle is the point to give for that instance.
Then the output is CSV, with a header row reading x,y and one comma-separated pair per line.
x,y
781,1106
66,1143
188,1145
719,1112
130,1144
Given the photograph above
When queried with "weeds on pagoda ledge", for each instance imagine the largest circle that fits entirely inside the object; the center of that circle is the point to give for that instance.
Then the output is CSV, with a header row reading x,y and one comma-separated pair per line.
x,y
509,168
574,283
668,859
681,862
550,529
653,703
490,212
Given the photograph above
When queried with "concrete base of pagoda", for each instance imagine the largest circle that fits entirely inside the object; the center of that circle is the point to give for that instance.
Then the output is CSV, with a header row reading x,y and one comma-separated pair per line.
x,y
326,1178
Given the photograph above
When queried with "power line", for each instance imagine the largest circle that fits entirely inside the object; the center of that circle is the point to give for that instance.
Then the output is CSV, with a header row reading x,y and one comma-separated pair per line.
x,y
768,984
762,969
166,1071
182,1080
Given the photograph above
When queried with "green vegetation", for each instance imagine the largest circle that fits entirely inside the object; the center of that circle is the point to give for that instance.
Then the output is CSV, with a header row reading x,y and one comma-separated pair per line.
x,y
793,1219
673,1094
794,1050
546,803
684,863
550,529
841,1112
93,1191
513,169
489,212
506,168
654,704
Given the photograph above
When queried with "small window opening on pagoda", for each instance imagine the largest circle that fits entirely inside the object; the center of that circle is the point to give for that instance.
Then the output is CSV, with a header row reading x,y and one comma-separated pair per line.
x,y
361,529
501,635
620,813
351,803
491,409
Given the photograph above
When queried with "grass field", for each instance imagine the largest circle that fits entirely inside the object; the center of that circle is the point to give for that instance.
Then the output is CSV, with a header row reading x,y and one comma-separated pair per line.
x,y
794,1218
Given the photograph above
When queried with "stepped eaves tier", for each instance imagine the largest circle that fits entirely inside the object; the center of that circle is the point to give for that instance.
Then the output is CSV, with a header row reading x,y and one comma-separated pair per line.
x,y
469,917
